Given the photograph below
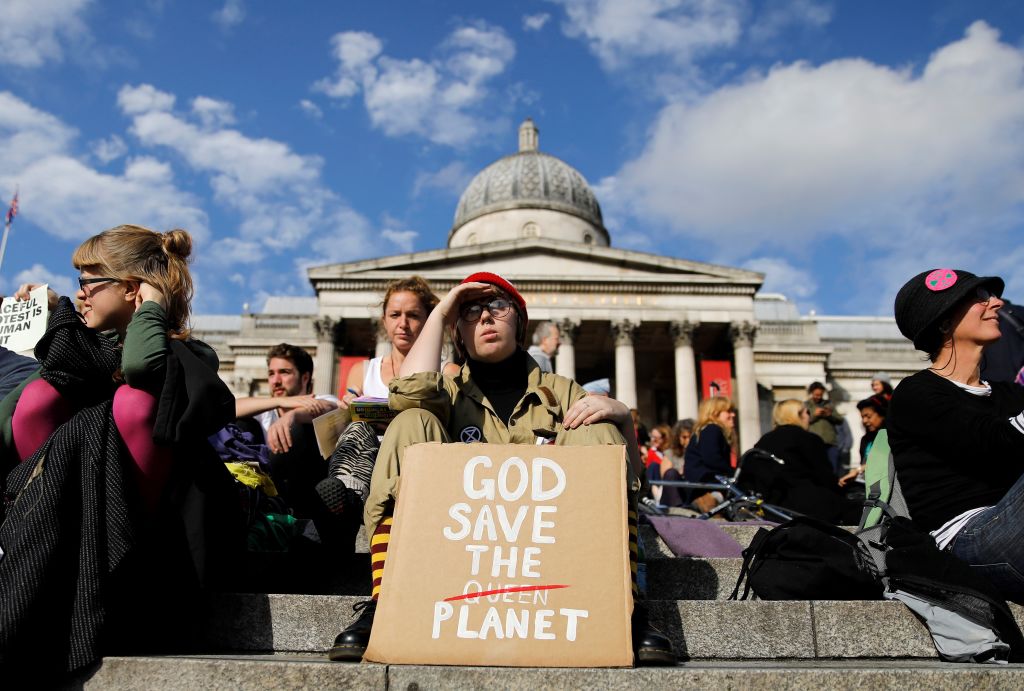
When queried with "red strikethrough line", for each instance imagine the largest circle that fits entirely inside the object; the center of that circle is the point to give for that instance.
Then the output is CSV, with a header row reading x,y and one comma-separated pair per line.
x,y
499,591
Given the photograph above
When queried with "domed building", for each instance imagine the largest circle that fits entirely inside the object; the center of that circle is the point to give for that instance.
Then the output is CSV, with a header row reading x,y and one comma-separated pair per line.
x,y
667,332
625,315
528,195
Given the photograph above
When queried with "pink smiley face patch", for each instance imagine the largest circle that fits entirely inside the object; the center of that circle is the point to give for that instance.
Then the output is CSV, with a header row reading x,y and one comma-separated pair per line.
x,y
940,279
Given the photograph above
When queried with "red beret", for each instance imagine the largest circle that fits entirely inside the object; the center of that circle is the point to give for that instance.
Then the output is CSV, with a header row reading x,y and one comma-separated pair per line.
x,y
496,280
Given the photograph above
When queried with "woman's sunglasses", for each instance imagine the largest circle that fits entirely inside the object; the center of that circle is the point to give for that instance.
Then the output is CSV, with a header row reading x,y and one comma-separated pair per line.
x,y
472,311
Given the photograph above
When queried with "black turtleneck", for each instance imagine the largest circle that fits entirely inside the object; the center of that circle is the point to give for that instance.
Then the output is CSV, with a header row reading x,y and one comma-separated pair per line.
x,y
503,383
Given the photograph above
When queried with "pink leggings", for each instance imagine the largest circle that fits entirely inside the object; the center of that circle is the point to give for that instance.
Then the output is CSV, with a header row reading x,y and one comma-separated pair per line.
x,y
41,410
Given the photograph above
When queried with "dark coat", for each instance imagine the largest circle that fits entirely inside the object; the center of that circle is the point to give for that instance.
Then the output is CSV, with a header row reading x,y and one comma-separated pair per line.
x,y
82,563
806,483
708,454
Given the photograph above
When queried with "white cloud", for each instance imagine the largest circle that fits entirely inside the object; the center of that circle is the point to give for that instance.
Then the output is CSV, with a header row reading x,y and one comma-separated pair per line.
x,y
230,15
32,31
443,99
243,167
452,178
345,235
661,48
402,239
143,99
911,165
29,134
621,31
781,276
311,109
354,51
66,198
213,113
535,22
109,149
237,251
778,15
71,201
37,273
279,194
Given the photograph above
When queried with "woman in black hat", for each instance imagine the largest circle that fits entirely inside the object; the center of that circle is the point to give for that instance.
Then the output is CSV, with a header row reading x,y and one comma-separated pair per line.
x,y
958,441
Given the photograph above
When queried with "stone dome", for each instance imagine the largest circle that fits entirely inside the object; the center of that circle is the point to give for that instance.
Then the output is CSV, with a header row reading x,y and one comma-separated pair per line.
x,y
529,180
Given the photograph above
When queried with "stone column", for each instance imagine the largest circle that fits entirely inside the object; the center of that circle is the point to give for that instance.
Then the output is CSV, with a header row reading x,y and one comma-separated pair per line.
x,y
625,363
383,345
686,369
565,359
325,362
746,383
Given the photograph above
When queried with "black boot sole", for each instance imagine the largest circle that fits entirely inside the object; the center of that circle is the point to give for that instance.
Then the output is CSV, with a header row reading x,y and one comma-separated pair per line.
x,y
346,653
656,657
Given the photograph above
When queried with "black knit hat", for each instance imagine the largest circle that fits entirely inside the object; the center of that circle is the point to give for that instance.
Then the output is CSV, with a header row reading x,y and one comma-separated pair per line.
x,y
925,299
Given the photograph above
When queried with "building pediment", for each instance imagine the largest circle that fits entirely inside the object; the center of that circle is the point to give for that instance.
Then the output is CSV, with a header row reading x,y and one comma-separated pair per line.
x,y
541,264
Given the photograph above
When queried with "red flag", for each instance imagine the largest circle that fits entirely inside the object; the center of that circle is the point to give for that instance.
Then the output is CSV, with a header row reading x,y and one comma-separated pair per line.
x,y
13,211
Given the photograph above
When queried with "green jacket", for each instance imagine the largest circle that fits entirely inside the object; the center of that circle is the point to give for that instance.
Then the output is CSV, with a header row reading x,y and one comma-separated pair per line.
x,y
825,426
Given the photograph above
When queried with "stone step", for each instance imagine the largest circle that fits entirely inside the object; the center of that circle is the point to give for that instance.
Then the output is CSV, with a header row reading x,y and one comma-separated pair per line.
x,y
668,577
707,629
686,578
302,672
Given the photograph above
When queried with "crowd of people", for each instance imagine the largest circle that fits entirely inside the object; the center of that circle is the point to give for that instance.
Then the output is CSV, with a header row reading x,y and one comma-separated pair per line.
x,y
124,454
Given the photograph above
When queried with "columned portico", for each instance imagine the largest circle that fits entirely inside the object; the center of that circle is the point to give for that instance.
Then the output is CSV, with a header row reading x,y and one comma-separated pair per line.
x,y
625,364
686,368
324,362
565,360
742,334
533,219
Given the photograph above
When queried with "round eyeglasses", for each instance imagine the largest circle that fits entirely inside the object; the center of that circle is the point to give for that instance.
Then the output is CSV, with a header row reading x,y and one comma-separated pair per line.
x,y
471,312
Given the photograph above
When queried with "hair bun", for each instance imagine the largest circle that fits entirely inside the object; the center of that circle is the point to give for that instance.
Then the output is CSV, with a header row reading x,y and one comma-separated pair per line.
x,y
177,242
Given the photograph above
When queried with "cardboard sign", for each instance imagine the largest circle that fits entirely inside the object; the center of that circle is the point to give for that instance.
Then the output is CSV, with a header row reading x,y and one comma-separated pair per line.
x,y
510,555
23,323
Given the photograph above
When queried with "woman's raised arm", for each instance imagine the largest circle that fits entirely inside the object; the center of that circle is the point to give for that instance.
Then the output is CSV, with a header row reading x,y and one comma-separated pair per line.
x,y
425,354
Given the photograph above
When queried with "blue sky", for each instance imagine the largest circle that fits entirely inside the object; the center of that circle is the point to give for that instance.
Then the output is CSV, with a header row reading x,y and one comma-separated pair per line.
x,y
839,147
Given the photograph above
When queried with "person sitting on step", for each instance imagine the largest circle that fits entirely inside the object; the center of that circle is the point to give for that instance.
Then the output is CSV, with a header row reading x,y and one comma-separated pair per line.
x,y
499,396
958,441
404,310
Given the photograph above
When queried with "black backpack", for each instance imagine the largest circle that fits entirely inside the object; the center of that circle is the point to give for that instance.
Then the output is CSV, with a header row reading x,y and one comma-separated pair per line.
x,y
966,616
808,559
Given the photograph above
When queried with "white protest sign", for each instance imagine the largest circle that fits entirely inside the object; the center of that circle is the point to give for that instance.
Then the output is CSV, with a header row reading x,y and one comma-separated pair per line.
x,y
23,322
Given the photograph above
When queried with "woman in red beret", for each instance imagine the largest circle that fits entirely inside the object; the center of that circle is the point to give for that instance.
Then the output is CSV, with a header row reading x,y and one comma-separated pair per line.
x,y
499,396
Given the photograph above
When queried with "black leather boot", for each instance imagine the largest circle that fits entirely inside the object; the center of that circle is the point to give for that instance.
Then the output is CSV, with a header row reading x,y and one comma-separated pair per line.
x,y
351,643
650,646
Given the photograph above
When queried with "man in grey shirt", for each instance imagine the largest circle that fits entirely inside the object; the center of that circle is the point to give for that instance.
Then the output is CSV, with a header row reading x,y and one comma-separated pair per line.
x,y
546,339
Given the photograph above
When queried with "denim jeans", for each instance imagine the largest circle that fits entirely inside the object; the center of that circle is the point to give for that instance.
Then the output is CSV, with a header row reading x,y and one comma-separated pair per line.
x,y
993,543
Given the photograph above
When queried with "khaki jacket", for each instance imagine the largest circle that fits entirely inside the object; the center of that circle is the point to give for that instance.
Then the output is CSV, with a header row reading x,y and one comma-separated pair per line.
x,y
468,416
454,409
